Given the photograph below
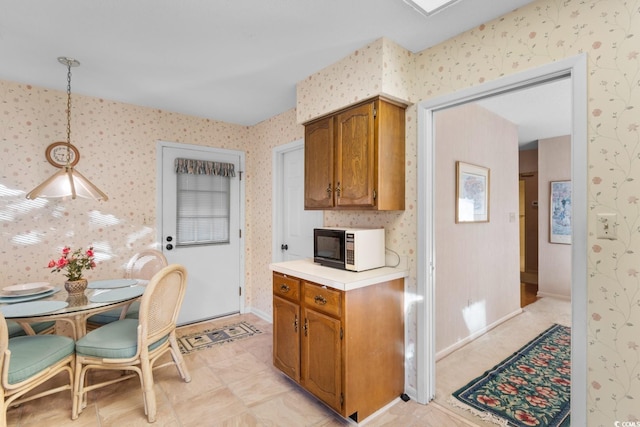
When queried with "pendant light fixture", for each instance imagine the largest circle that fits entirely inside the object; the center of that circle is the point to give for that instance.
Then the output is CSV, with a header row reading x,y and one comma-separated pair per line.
x,y
68,181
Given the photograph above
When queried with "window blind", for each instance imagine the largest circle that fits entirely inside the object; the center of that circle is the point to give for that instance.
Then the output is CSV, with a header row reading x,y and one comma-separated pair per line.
x,y
203,202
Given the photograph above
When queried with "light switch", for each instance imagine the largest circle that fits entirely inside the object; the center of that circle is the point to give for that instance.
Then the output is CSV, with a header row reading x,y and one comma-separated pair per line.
x,y
606,226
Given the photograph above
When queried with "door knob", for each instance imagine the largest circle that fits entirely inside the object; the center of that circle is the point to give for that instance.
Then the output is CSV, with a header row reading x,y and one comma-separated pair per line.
x,y
169,246
284,247
169,238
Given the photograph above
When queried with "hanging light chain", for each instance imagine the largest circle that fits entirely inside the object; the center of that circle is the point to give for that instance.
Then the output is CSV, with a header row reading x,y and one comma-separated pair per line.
x,y
68,62
68,113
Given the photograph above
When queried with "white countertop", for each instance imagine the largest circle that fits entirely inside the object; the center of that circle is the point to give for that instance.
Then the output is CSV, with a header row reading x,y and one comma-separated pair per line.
x,y
335,278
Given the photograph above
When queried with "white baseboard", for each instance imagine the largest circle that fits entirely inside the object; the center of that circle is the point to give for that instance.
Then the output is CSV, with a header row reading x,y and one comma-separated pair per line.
x,y
468,339
261,314
557,296
375,414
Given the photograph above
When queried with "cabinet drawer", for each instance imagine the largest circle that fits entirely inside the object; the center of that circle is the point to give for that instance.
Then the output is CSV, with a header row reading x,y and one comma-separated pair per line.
x,y
323,299
286,287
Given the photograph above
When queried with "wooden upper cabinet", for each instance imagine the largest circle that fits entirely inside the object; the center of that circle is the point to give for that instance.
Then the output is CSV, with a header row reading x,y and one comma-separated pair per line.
x,y
354,159
318,164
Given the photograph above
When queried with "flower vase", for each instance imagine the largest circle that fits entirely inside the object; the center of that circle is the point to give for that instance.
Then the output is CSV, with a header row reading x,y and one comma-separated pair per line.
x,y
76,287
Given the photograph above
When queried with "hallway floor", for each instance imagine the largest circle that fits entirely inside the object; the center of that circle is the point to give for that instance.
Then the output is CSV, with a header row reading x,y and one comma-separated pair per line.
x,y
470,361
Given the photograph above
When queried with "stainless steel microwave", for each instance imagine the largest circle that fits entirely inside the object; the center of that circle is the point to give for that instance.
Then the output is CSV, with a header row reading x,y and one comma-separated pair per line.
x,y
353,249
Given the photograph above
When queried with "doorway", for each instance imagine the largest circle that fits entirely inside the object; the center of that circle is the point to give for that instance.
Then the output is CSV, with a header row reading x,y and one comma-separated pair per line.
x,y
292,224
575,69
528,201
200,217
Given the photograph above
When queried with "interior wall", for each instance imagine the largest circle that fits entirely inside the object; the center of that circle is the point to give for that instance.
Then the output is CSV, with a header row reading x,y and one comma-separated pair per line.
x,y
541,33
117,144
478,270
382,67
528,161
279,130
554,260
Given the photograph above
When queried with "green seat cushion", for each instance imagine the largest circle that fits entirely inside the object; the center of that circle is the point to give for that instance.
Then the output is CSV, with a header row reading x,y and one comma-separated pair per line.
x,y
113,315
105,317
116,340
32,354
16,330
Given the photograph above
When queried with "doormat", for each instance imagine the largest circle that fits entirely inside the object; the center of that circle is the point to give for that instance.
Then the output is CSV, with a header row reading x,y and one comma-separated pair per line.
x,y
210,337
530,388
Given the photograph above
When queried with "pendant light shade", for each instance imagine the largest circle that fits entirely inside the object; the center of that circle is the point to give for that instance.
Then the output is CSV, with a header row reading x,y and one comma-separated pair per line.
x,y
67,182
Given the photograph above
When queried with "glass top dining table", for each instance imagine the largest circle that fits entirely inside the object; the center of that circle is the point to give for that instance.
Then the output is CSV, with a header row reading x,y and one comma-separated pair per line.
x,y
54,303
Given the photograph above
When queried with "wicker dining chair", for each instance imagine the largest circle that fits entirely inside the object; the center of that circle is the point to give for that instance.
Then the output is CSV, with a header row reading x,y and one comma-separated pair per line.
x,y
142,266
134,345
28,362
145,264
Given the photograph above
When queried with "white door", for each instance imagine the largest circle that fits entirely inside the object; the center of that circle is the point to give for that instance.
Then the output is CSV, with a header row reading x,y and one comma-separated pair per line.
x,y
295,237
201,229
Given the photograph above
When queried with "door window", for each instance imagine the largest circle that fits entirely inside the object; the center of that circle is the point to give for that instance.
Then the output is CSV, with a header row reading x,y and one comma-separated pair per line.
x,y
203,202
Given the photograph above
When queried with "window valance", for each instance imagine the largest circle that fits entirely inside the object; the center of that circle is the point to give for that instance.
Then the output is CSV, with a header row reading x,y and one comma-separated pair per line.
x,y
203,167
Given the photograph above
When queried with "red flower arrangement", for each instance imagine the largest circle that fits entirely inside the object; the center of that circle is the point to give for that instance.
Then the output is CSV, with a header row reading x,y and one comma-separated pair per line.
x,y
73,262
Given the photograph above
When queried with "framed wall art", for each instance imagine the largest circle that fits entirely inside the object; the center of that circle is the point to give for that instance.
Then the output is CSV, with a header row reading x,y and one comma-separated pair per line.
x,y
472,193
560,212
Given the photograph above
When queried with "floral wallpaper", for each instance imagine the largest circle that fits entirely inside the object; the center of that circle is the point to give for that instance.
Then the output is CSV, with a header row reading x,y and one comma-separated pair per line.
x,y
117,146
540,33
547,31
381,67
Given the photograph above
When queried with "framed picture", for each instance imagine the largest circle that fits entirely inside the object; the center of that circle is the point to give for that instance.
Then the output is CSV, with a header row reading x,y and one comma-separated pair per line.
x,y
472,193
560,212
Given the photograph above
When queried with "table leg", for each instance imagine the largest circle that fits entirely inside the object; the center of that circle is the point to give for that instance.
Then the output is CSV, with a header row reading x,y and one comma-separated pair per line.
x,y
27,328
80,325
125,308
74,329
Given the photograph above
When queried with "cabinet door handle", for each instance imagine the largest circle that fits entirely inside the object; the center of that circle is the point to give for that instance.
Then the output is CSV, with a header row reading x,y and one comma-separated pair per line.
x,y
305,327
320,300
284,288
295,324
338,190
329,190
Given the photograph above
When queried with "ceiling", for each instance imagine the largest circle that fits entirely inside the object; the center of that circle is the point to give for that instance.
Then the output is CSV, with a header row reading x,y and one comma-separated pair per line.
x,y
236,61
541,111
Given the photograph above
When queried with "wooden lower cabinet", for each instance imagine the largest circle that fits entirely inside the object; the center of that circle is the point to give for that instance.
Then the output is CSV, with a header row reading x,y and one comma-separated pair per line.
x,y
322,358
286,356
346,348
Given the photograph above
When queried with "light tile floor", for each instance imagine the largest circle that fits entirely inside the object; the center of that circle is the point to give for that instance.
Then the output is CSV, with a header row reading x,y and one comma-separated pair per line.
x,y
235,384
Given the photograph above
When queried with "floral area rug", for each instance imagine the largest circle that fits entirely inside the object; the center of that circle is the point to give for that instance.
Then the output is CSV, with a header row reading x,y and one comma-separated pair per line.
x,y
210,337
530,388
